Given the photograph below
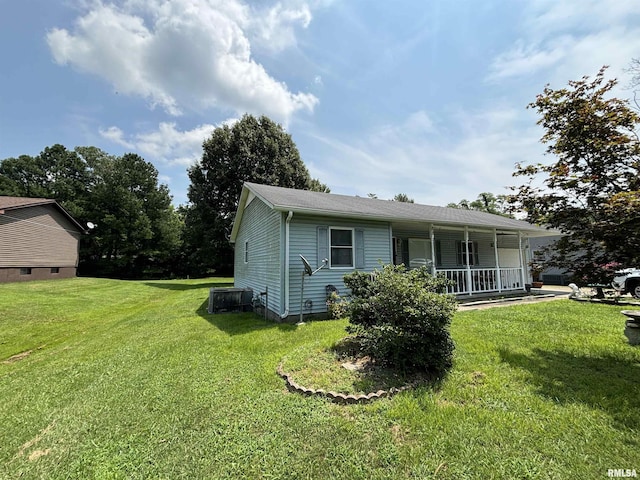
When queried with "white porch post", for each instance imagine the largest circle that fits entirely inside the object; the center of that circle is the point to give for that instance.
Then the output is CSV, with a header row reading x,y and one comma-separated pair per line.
x,y
432,236
495,251
522,266
466,247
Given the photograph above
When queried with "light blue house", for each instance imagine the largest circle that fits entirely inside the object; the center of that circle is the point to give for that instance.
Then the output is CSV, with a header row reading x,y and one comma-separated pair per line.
x,y
478,251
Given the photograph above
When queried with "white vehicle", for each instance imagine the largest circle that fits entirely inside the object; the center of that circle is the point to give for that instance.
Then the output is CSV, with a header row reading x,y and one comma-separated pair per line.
x,y
627,281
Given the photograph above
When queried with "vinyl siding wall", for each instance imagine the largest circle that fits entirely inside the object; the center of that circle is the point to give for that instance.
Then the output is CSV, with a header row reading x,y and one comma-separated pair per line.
x,y
37,237
265,230
260,226
304,240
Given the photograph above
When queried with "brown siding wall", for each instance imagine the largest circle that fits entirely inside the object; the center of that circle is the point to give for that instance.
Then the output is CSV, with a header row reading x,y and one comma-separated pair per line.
x,y
38,237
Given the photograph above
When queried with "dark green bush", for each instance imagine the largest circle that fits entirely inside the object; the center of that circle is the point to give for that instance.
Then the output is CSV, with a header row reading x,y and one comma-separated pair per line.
x,y
402,318
337,307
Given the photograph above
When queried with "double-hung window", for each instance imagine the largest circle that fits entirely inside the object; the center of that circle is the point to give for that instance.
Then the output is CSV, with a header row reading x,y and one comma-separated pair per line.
x,y
341,245
472,249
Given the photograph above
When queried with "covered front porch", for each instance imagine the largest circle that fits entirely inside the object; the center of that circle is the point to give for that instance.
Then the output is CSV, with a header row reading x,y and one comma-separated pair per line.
x,y
475,260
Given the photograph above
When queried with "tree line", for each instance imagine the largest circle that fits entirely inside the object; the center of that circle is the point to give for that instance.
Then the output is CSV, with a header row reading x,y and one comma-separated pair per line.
x,y
137,233
590,190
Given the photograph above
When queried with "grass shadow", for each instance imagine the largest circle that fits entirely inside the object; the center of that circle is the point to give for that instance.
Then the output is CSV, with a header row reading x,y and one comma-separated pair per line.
x,y
181,285
343,368
606,383
240,323
381,378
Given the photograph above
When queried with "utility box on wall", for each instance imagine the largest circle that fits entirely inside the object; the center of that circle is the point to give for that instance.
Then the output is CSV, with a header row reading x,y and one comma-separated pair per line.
x,y
224,300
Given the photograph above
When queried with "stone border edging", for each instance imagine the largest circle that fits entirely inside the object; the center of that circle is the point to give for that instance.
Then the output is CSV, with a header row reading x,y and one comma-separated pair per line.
x,y
606,301
339,397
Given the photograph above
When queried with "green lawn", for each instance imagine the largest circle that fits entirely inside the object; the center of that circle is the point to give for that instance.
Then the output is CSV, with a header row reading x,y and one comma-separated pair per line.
x,y
136,380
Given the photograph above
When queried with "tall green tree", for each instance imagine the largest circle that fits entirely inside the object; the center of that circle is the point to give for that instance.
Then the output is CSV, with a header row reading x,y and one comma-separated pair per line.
x,y
402,197
56,173
316,185
252,150
590,191
138,231
486,202
23,177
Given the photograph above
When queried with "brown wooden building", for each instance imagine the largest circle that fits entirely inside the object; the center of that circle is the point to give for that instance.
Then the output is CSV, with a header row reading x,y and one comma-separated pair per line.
x,y
39,240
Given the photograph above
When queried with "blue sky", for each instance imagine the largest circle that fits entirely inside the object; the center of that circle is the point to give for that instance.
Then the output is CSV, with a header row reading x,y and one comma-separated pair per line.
x,y
423,98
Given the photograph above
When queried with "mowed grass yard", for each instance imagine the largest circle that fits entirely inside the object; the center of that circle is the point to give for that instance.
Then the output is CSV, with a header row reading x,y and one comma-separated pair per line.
x,y
135,380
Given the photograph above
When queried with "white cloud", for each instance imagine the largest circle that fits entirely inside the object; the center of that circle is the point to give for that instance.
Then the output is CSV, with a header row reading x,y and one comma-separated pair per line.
x,y
167,144
116,135
550,16
525,59
566,40
428,162
274,27
186,54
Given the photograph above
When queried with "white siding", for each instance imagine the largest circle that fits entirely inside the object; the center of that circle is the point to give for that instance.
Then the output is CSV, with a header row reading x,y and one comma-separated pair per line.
x,y
260,227
509,257
303,241
448,247
508,241
486,252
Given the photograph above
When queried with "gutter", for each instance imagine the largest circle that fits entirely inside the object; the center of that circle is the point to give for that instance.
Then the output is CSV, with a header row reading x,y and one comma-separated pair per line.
x,y
533,229
285,314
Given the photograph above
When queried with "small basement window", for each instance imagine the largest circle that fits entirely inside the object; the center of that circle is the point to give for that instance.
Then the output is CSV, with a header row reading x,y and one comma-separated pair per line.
x,y
55,269
25,271
341,247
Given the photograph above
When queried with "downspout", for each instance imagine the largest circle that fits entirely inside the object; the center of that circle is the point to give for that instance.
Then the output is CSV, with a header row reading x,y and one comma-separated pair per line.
x,y
285,314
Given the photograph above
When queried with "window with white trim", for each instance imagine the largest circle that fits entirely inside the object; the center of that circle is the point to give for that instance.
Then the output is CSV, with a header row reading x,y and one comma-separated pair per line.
x,y
461,250
246,251
341,246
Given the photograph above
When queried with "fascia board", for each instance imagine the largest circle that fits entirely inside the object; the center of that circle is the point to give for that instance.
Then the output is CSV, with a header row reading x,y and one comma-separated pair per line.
x,y
315,211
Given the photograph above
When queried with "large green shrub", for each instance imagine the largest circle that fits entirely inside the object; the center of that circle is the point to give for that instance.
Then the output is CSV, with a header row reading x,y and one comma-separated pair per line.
x,y
402,317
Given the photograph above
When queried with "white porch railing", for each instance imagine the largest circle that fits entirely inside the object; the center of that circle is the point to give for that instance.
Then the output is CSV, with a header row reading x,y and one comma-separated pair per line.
x,y
482,280
511,278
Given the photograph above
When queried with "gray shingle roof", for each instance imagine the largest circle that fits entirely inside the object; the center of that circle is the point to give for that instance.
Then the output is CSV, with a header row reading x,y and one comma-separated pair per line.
x,y
303,201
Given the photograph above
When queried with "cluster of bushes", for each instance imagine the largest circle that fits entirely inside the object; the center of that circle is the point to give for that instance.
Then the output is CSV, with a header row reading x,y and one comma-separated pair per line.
x,y
401,317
